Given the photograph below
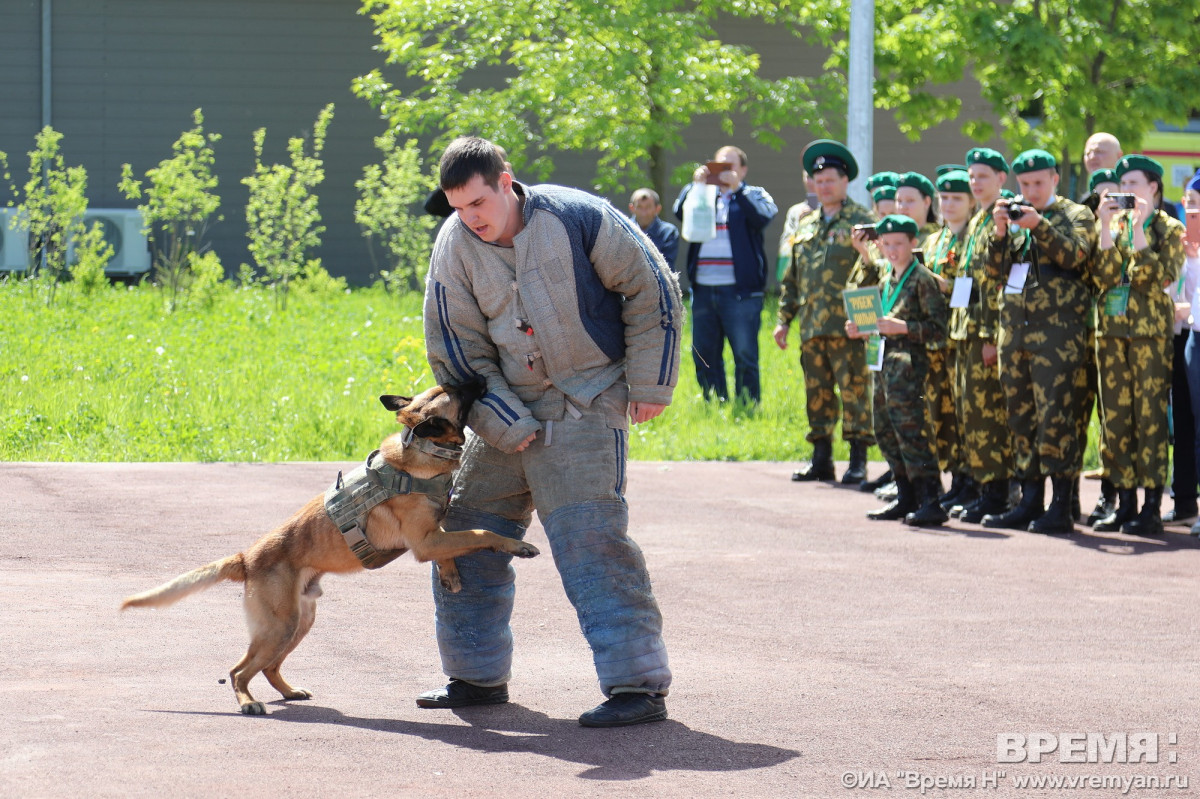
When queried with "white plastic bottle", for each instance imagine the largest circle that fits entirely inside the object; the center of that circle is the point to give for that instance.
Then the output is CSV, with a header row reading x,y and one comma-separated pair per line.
x,y
700,213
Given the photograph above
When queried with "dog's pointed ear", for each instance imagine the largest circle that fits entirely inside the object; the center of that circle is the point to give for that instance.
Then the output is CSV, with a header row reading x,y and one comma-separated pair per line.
x,y
394,403
431,427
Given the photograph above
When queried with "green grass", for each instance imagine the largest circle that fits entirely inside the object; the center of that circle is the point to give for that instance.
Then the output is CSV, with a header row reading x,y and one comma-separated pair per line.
x,y
113,377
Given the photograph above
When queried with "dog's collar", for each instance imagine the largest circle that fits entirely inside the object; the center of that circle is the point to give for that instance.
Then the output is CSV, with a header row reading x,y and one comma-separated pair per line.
x,y
449,452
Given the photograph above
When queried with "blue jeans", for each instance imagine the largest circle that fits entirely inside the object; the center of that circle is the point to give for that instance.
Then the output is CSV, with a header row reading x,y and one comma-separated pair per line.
x,y
721,313
1191,358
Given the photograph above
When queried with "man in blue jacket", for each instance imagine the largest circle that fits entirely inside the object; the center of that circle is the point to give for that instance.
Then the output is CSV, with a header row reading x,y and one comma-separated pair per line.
x,y
644,208
728,275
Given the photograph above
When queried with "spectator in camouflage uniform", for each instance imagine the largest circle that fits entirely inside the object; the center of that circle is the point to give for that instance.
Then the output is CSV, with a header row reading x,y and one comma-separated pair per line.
x,y
811,290
1043,324
1140,253
791,221
986,450
914,199
914,317
882,186
942,252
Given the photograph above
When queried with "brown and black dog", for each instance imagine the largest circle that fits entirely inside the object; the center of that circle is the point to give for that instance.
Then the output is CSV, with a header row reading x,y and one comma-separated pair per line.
x,y
281,571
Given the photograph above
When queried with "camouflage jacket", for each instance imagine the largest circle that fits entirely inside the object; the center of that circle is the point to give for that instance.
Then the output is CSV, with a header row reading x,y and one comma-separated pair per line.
x,y
822,259
981,317
922,306
941,253
1056,293
1151,311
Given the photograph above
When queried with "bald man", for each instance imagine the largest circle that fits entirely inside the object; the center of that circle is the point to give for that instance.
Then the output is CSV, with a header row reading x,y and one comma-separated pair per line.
x,y
1101,151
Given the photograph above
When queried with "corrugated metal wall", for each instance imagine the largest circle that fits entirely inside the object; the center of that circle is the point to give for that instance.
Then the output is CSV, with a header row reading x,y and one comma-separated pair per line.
x,y
127,74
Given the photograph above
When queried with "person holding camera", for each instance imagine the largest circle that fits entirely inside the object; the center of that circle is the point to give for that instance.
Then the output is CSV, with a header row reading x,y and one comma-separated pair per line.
x,y
914,317
986,449
728,278
811,291
1040,250
1140,253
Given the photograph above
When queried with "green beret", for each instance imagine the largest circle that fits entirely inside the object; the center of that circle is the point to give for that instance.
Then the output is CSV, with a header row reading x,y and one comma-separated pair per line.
x,y
915,180
956,181
884,193
1102,176
944,168
824,153
896,223
1033,160
1007,194
988,157
1131,163
882,179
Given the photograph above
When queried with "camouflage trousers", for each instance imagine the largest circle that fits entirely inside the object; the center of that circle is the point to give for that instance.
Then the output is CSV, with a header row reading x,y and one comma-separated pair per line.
x,y
943,413
836,361
1135,378
986,444
1044,391
901,414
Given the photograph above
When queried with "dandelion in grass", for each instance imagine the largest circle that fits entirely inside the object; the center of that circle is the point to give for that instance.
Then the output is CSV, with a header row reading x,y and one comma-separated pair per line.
x,y
159,350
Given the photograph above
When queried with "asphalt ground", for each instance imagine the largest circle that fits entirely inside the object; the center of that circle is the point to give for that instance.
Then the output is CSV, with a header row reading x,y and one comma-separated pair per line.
x,y
815,653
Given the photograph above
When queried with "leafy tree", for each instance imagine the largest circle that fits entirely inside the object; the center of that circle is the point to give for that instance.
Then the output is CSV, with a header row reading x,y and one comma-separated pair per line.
x,y
388,193
620,79
283,221
180,204
1074,67
51,213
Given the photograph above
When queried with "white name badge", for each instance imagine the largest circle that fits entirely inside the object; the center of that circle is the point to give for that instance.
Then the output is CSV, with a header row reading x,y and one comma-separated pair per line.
x,y
874,352
1016,278
960,297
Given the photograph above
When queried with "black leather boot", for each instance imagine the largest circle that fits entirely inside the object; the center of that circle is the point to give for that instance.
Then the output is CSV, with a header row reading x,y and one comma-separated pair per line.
x,y
821,466
1106,505
967,494
878,483
1031,506
1076,510
1057,520
929,512
993,501
904,503
1125,511
957,484
1149,521
856,472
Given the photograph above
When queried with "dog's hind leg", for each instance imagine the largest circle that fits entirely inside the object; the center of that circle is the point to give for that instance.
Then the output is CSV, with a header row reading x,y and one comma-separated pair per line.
x,y
308,614
274,617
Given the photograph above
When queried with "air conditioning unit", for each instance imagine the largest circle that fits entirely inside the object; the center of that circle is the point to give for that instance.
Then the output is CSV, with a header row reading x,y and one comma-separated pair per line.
x,y
14,243
123,232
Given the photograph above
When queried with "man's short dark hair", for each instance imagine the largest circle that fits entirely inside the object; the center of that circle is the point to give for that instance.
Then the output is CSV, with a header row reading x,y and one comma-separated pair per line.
x,y
466,157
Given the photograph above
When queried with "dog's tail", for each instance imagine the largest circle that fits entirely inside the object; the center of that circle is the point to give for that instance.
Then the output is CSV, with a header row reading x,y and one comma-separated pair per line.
x,y
231,568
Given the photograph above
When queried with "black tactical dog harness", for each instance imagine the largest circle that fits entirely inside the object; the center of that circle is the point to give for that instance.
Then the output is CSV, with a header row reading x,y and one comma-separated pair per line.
x,y
349,501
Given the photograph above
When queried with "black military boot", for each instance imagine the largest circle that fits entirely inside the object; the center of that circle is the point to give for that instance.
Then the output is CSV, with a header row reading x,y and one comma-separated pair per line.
x,y
1149,521
1031,506
904,503
957,484
929,512
1076,510
993,501
879,482
968,493
856,472
821,466
1057,520
1106,505
1125,511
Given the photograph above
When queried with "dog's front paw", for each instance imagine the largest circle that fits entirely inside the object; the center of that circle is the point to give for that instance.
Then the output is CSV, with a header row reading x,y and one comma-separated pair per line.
x,y
524,550
298,693
254,709
448,576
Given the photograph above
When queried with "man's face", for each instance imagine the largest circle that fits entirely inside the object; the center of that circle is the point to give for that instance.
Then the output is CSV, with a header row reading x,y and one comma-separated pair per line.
x,y
986,183
1102,151
913,204
730,156
1191,200
897,248
644,209
486,211
831,186
1038,187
